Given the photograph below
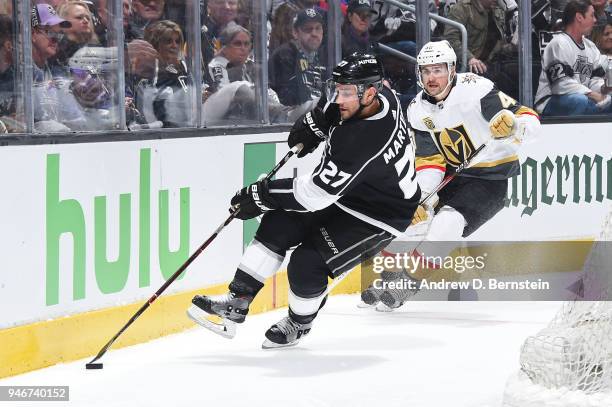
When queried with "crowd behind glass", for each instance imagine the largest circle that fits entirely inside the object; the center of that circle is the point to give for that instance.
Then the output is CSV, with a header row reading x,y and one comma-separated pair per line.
x,y
85,78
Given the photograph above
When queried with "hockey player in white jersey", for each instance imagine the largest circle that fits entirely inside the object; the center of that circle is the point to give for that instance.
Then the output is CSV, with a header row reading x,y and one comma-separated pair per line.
x,y
453,116
362,194
573,68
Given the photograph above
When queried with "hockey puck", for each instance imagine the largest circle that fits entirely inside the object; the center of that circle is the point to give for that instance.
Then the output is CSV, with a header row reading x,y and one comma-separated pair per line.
x,y
91,366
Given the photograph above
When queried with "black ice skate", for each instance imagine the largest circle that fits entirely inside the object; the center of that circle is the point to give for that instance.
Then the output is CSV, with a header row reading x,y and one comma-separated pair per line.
x,y
220,313
285,333
404,287
370,297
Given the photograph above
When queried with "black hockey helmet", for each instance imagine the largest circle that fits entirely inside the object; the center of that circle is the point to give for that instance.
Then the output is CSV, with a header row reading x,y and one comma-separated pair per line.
x,y
360,69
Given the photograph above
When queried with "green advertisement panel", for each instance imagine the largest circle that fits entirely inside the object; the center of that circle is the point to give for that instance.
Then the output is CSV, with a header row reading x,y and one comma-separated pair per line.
x,y
259,159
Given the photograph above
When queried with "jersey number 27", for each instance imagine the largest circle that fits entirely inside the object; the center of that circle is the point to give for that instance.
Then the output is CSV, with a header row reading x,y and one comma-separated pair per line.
x,y
330,172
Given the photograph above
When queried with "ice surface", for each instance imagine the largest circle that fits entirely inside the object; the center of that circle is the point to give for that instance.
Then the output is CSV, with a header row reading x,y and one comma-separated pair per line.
x,y
427,354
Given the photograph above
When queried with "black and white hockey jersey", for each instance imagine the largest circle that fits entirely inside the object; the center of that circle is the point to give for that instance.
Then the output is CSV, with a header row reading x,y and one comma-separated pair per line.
x,y
367,170
568,67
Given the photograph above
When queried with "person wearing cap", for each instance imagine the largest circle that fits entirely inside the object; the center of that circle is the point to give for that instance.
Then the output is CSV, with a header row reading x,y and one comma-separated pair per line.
x,y
296,72
282,21
356,26
55,108
46,34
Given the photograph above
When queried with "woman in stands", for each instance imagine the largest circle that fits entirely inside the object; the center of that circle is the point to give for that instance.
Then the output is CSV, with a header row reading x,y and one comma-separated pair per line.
x,y
171,104
233,73
80,33
604,42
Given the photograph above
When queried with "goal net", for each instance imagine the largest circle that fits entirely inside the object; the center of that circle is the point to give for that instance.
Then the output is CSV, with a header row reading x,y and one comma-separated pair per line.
x,y
569,363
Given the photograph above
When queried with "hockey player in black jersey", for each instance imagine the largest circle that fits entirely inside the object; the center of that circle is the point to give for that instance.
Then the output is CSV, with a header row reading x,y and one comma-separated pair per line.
x,y
361,195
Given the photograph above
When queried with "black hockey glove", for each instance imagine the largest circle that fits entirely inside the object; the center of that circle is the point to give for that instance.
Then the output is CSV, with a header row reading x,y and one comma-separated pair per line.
x,y
253,201
310,130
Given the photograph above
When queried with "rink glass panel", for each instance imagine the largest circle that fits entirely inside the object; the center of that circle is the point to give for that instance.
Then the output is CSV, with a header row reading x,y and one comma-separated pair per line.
x,y
113,87
234,88
12,119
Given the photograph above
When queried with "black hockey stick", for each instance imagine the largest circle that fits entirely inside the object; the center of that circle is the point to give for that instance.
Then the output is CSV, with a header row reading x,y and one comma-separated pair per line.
x,y
452,176
91,365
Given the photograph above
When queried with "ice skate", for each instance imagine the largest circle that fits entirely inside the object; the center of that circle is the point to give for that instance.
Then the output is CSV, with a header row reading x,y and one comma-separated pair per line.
x,y
220,313
404,288
285,333
381,307
370,297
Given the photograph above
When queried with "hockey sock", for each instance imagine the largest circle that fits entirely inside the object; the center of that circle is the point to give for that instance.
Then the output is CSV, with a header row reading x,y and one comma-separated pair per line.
x,y
304,310
244,284
260,262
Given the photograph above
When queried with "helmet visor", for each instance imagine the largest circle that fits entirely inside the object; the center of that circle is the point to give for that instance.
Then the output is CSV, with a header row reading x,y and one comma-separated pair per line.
x,y
340,92
436,71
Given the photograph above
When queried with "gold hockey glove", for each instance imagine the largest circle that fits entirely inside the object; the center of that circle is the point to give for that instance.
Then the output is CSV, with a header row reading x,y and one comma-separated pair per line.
x,y
421,214
503,124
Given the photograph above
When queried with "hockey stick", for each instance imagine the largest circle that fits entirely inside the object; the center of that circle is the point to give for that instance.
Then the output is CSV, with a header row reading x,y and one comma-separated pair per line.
x,y
91,365
452,176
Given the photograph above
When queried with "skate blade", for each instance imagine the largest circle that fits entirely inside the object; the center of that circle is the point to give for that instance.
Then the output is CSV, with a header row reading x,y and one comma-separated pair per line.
x,y
223,327
268,344
381,307
366,305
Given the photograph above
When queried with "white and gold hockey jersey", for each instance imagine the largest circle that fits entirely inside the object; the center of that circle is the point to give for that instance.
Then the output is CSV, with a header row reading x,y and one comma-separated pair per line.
x,y
449,131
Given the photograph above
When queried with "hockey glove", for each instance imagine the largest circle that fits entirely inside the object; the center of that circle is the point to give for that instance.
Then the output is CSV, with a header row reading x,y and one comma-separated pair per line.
x,y
423,213
253,201
503,124
310,130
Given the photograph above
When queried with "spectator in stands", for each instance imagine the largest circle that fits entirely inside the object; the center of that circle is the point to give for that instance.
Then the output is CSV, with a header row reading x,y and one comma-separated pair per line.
x,y
6,8
604,42
171,102
296,72
220,14
355,29
81,32
7,75
234,74
103,20
488,51
484,22
573,69
140,58
282,21
232,62
396,27
602,17
55,109
145,12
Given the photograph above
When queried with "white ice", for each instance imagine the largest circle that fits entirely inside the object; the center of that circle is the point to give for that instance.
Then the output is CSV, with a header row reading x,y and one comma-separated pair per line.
x,y
427,354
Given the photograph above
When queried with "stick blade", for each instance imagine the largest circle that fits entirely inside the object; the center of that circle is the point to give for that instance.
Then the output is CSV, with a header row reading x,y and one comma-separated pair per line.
x,y
94,366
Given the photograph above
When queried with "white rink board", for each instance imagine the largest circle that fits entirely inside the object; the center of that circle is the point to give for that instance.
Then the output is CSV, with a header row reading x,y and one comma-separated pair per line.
x,y
556,220
212,169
